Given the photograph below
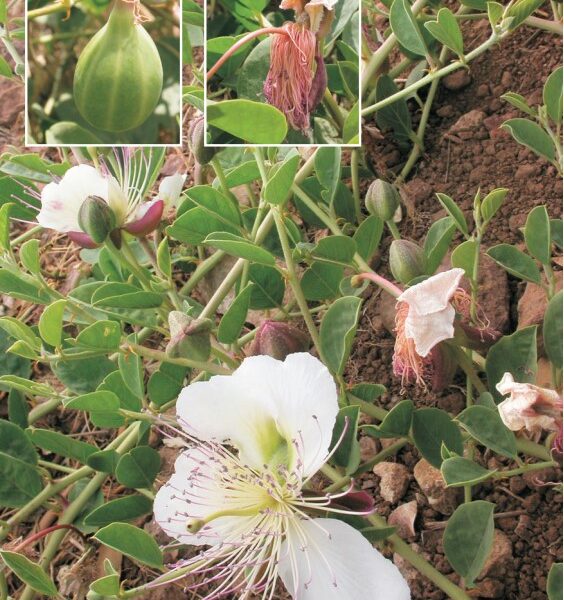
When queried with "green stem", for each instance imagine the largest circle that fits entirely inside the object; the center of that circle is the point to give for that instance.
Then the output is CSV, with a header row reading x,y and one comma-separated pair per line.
x,y
438,74
393,230
294,281
530,448
355,159
368,409
334,110
218,169
50,9
467,366
26,235
524,469
43,409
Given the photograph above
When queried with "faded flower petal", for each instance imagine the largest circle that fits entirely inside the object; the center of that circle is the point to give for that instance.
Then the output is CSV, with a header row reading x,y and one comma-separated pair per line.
x,y
529,406
170,189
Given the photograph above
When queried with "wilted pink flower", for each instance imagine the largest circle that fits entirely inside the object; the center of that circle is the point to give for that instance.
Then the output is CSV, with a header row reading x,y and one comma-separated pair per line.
x,y
291,84
426,315
529,406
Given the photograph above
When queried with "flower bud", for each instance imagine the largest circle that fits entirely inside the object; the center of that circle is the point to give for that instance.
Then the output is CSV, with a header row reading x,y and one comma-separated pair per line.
x,y
278,339
96,218
197,140
407,261
189,337
382,199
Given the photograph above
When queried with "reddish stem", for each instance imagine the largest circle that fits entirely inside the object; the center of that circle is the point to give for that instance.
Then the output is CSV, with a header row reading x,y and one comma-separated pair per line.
x,y
386,285
250,36
41,534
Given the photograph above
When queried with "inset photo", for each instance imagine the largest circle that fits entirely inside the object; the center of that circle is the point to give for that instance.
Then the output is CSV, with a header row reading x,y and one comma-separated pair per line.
x,y
102,72
282,72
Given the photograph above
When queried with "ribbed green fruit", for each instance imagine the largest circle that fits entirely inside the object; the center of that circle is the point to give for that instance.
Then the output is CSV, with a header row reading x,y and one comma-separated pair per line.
x,y
119,75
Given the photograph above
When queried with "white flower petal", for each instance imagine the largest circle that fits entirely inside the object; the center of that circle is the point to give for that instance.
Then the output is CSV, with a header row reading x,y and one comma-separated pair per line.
x,y
118,200
326,559
429,330
61,202
170,189
433,294
193,492
266,406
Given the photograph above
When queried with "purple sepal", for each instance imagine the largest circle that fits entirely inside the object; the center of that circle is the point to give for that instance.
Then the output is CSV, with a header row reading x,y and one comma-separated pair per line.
x,y
148,222
82,239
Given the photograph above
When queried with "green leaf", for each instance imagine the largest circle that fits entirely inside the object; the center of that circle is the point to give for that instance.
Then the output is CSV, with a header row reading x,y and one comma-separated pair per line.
x,y
102,335
532,136
464,257
520,10
165,384
139,467
131,369
396,115
126,508
252,122
552,95
491,204
515,354
30,573
515,262
554,582
468,538
19,481
328,170
321,281
105,461
345,434
125,295
115,383
239,247
51,322
107,586
486,426
446,30
20,287
19,330
29,255
406,28
268,291
454,211
164,262
368,235
84,375
235,316
279,185
556,229
103,407
458,471
351,128
495,13
337,331
433,427
253,72
67,133
518,101
437,242
537,234
61,444
133,542
335,248
397,422
27,387
552,330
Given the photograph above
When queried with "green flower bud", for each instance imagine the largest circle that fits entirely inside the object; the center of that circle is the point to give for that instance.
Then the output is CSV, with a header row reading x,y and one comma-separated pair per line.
x,y
277,339
197,140
96,218
407,260
189,337
382,199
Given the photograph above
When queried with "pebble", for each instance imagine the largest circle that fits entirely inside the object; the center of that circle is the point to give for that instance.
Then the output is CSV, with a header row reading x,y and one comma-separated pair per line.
x,y
457,81
368,448
431,482
527,171
394,480
500,557
403,518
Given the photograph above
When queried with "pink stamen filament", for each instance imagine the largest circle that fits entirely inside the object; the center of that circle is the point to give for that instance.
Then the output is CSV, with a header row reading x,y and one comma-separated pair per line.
x,y
244,40
380,281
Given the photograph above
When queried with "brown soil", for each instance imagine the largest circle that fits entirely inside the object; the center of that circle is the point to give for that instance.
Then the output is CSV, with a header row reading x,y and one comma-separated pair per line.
x,y
486,158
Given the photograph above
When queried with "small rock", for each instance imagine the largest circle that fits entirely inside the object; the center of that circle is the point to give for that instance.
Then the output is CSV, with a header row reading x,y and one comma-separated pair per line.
x,y
527,171
431,482
467,126
517,221
445,111
457,80
414,193
394,479
483,90
533,302
499,560
532,502
506,79
523,529
517,484
368,448
403,518
489,588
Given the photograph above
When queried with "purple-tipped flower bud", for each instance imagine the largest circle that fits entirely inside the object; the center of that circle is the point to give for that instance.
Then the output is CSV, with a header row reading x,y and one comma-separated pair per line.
x,y
96,218
382,199
189,337
197,141
407,261
278,339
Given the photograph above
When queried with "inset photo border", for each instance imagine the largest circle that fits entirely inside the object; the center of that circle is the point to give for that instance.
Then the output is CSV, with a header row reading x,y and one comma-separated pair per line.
x,y
282,73
103,73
